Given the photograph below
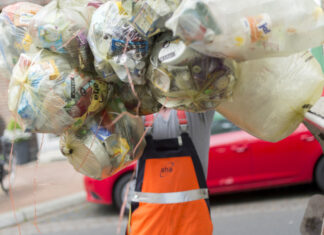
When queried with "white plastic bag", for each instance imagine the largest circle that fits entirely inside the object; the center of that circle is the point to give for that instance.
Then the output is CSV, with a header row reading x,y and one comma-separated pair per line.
x,y
272,95
249,29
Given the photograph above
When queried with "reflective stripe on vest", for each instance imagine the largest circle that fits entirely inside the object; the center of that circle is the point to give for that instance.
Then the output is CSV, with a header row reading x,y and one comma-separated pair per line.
x,y
149,119
171,198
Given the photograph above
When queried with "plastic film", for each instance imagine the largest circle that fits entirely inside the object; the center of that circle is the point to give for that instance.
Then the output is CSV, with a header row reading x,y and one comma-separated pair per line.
x,y
47,95
14,21
249,29
106,146
272,95
181,78
120,51
62,27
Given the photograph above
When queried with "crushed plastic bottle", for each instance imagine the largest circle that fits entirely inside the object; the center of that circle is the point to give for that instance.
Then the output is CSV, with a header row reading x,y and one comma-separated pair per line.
x,y
181,78
118,47
249,29
105,146
48,96
14,40
62,27
272,95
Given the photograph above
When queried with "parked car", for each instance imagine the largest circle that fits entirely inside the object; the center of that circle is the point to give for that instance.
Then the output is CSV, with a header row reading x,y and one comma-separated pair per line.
x,y
237,162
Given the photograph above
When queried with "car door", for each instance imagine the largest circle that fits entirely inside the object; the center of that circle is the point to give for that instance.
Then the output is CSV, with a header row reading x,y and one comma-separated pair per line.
x,y
230,160
282,161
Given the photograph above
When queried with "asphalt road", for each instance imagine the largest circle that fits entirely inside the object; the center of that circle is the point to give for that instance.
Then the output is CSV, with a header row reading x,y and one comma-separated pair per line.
x,y
267,212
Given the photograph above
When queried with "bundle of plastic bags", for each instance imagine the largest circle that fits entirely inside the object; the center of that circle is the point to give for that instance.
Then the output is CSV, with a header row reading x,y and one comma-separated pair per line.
x,y
181,78
14,40
104,146
272,95
62,27
249,29
88,69
120,50
49,96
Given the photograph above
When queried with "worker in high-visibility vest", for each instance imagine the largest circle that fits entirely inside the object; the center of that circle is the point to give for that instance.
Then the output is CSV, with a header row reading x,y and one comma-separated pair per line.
x,y
171,195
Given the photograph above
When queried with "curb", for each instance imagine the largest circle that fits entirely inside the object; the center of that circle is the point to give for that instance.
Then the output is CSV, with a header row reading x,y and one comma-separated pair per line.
x,y
27,213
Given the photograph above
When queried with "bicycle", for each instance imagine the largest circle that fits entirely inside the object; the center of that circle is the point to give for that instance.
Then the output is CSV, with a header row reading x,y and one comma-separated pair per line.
x,y
7,167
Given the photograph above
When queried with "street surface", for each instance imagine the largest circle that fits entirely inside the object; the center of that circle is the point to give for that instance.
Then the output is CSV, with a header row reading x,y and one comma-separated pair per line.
x,y
269,212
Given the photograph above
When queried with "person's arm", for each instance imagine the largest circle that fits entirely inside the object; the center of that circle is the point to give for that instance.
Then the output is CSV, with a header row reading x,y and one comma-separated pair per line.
x,y
199,130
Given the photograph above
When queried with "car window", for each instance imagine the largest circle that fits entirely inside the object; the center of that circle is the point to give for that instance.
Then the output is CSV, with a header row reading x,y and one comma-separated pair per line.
x,y
222,125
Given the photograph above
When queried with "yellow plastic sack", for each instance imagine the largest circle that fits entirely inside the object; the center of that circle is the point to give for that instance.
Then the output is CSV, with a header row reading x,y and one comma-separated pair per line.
x,y
272,95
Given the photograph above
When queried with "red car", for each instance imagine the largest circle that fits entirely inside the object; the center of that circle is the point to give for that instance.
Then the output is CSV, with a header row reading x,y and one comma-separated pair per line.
x,y
237,162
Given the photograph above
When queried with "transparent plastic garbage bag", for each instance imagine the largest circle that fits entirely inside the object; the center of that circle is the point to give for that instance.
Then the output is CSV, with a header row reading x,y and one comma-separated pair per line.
x,y
120,51
249,29
62,27
104,146
14,40
48,96
183,79
272,95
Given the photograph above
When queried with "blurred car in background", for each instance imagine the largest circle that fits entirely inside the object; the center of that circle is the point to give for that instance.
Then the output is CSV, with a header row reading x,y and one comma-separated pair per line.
x,y
237,162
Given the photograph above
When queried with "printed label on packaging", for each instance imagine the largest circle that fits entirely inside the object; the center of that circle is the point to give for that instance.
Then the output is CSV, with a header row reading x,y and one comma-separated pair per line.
x,y
145,20
100,132
259,27
51,39
118,46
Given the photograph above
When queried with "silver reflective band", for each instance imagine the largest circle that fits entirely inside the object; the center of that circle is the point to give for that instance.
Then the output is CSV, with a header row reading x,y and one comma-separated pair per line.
x,y
171,198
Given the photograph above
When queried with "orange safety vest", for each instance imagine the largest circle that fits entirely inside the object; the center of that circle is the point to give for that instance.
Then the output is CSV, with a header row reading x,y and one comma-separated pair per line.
x,y
171,195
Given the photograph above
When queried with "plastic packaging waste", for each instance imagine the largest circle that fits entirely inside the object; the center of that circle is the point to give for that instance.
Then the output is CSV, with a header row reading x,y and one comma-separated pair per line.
x,y
119,50
14,21
149,16
62,27
48,96
141,102
249,29
105,146
272,95
181,78
5,3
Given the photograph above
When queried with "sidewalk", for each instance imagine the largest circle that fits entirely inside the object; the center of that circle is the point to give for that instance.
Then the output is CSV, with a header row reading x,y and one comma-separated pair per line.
x,y
54,182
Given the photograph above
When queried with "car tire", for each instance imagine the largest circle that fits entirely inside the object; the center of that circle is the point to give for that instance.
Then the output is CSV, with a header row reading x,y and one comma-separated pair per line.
x,y
120,189
319,174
